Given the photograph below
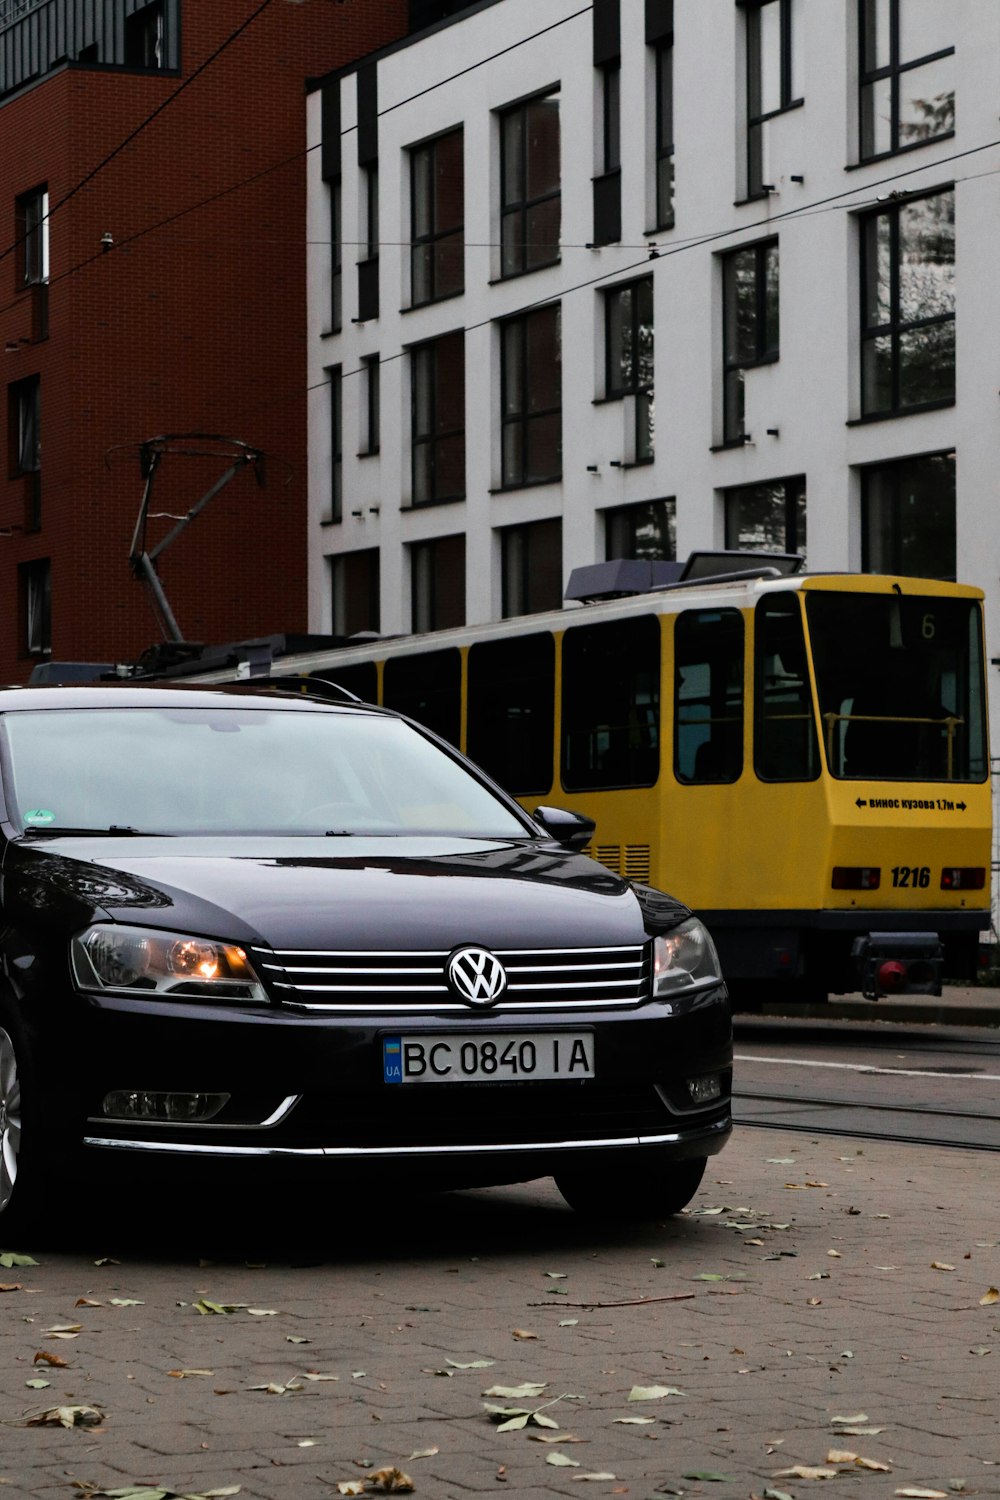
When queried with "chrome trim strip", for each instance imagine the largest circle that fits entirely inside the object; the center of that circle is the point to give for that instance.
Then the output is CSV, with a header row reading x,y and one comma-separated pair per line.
x,y
424,989
282,1112
428,954
504,1008
677,1137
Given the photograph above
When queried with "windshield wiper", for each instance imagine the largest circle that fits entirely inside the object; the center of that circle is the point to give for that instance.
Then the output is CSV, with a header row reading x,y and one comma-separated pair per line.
x,y
114,830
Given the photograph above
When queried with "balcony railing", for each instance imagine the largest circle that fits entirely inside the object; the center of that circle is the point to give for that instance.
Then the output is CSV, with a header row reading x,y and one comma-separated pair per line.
x,y
13,10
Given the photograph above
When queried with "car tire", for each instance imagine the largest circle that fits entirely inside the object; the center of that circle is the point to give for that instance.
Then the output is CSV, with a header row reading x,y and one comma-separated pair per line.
x,y
21,1142
633,1185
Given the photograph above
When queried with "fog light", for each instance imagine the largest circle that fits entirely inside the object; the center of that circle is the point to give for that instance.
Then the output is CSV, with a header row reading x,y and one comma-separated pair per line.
x,y
704,1090
140,1104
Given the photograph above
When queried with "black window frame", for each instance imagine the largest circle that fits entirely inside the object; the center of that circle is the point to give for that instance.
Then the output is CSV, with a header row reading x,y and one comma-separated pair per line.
x,y
765,351
777,757
336,257
25,426
896,67
794,517
530,591
351,574
336,377
371,365
368,265
620,381
519,253
425,383
435,550
35,590
894,471
517,328
514,672
32,236
757,116
429,247
145,38
897,327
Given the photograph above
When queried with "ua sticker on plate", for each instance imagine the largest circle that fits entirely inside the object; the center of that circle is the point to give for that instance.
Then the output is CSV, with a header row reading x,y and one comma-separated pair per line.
x,y
392,1070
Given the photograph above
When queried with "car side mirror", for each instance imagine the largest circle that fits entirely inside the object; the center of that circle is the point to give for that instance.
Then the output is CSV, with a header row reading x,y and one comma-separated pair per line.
x,y
571,829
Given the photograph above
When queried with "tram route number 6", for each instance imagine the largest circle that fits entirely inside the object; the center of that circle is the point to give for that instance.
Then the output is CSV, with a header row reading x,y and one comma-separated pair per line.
x,y
911,875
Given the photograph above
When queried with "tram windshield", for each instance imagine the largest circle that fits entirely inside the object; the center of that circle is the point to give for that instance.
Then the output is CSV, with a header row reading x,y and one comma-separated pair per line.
x,y
900,681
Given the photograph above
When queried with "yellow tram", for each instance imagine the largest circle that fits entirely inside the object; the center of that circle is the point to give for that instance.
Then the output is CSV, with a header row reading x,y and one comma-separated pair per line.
x,y
802,758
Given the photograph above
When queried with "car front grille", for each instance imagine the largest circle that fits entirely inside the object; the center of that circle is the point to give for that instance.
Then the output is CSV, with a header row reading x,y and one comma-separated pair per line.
x,y
377,982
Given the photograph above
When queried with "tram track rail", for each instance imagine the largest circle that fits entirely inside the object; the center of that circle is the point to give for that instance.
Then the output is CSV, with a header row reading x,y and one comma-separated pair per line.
x,y
859,1131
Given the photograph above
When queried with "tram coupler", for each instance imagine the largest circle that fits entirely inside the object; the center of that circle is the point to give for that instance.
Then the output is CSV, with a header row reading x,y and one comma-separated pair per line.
x,y
898,963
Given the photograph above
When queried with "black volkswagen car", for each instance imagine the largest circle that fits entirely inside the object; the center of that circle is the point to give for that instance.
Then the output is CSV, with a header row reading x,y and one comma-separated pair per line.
x,y
243,930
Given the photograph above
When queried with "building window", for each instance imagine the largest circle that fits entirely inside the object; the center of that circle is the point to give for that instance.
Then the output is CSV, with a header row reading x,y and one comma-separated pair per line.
x,y
647,531
437,213
25,426
907,74
531,397
531,565
437,383
144,37
608,182
32,235
908,517
35,579
336,259
767,517
628,345
750,325
437,584
336,444
368,267
530,191
664,134
355,592
772,85
372,369
908,305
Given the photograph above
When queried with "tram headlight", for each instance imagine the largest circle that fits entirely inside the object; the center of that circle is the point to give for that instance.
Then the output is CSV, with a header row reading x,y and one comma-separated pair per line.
x,y
683,958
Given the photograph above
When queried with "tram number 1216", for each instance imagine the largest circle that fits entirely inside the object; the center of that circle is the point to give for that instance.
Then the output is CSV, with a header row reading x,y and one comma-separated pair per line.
x,y
911,875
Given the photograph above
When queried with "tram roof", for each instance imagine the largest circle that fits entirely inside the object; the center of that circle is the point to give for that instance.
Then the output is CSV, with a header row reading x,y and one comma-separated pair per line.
x,y
732,592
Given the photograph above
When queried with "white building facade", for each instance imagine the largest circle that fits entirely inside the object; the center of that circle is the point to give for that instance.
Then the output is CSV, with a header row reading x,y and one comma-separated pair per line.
x,y
644,276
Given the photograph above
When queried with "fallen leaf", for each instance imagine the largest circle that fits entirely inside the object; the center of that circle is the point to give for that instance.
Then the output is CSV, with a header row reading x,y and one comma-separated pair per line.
x,y
860,1431
941,1265
873,1463
595,1476
107,1260
635,1421
555,1275
43,1357
474,1364
710,1475
296,1338
183,1374
80,1301
860,1416
556,1437
795,1185
514,1424
568,1322
37,1385
805,1471
988,1298
523,1333
262,1312
652,1392
390,1481
914,1492
351,1487
10,1258
67,1416
423,1453
561,1461
512,1392
777,1495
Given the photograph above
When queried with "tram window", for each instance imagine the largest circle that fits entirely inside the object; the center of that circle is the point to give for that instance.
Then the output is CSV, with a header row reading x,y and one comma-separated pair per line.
x,y
900,682
611,705
785,746
428,687
511,711
708,695
360,678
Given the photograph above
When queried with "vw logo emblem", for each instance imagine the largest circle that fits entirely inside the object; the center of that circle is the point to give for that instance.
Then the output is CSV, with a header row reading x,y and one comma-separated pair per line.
x,y
476,977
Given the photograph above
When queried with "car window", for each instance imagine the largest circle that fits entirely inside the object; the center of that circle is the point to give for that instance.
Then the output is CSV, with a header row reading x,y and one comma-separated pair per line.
x,y
240,770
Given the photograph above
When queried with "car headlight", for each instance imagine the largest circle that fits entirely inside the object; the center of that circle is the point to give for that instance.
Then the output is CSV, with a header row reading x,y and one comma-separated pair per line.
x,y
684,957
143,961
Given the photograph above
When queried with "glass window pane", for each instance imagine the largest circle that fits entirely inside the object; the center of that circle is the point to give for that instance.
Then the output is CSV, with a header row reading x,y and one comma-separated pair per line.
x,y
449,183
741,305
542,147
449,265
770,56
617,337
708,696
755,517
785,744
512,139
512,458
927,101
543,359
611,704
543,459
542,225
511,717
876,375
421,272
512,346
927,364
612,119
927,257
876,118
877,269
925,26
769,343
511,243
423,202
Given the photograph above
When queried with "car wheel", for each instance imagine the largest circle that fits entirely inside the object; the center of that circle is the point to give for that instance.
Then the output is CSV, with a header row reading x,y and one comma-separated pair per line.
x,y
21,1151
630,1185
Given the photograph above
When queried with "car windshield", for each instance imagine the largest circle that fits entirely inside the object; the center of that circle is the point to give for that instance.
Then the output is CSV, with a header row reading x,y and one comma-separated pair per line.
x,y
222,769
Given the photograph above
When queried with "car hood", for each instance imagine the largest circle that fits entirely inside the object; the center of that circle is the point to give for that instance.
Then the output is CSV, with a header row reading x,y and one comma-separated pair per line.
x,y
359,892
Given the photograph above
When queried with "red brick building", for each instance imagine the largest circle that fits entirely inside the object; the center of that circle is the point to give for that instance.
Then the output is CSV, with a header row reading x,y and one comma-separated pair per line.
x,y
152,270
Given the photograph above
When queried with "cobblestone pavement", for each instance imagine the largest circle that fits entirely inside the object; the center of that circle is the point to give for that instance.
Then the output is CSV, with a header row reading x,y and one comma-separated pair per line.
x,y
813,1281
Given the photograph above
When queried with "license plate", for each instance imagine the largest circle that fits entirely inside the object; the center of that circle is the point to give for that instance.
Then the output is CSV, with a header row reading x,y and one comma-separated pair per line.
x,y
471,1057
